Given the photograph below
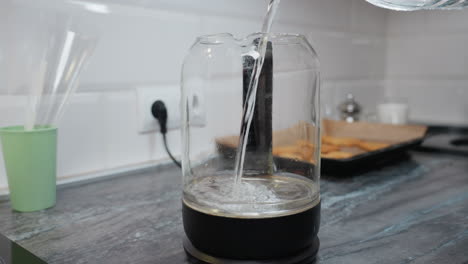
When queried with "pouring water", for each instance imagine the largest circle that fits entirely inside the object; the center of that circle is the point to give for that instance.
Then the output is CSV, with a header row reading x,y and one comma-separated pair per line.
x,y
250,100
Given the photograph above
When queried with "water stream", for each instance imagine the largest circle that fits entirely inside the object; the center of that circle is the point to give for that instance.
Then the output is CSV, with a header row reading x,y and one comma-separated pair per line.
x,y
251,95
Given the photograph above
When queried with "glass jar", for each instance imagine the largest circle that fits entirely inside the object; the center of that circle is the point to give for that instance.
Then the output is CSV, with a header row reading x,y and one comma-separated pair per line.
x,y
269,207
410,5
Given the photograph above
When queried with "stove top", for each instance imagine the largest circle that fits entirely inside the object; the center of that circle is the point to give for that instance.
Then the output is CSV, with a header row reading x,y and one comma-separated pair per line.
x,y
12,253
446,139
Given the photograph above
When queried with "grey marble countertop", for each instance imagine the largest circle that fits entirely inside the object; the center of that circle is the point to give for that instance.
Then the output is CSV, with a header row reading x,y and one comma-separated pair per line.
x,y
412,212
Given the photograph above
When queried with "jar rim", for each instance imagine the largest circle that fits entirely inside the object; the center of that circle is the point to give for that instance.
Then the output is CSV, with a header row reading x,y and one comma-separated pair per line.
x,y
277,38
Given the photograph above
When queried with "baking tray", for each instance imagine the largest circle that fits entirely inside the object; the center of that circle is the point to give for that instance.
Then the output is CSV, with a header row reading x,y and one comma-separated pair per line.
x,y
400,137
341,167
369,160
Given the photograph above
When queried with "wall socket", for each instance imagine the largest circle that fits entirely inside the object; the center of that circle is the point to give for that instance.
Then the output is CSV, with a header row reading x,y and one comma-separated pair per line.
x,y
170,95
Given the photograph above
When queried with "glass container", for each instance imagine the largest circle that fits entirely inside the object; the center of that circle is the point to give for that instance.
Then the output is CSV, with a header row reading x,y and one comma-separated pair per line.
x,y
263,203
411,5
48,47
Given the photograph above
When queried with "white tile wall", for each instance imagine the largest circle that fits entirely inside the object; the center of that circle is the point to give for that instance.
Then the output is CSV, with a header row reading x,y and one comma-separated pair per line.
x,y
82,136
143,42
443,102
145,49
427,62
366,92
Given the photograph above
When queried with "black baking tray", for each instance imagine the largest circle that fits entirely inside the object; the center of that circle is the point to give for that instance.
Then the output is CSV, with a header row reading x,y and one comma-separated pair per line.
x,y
369,160
342,167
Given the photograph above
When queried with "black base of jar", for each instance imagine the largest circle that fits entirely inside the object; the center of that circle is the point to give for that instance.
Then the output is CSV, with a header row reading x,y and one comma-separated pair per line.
x,y
285,239
306,256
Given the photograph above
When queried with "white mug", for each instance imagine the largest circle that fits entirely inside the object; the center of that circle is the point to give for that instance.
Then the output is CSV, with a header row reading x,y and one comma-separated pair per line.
x,y
393,113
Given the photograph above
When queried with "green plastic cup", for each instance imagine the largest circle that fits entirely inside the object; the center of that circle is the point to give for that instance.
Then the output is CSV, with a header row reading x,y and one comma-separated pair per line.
x,y
30,162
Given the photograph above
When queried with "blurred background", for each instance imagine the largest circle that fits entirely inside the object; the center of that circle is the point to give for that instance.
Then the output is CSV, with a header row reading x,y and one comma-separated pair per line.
x,y
370,52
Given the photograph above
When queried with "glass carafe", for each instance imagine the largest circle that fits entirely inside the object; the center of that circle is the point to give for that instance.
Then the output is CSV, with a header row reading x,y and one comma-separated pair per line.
x,y
410,5
273,210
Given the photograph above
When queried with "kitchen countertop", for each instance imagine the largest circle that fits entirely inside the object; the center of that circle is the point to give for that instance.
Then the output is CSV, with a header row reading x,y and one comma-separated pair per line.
x,y
413,212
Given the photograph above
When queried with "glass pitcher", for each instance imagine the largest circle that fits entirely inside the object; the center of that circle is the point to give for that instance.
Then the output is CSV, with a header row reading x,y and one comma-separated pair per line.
x,y
271,208
410,5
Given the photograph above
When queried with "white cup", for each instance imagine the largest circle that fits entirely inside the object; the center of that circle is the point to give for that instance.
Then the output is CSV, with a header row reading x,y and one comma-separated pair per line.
x,y
393,113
